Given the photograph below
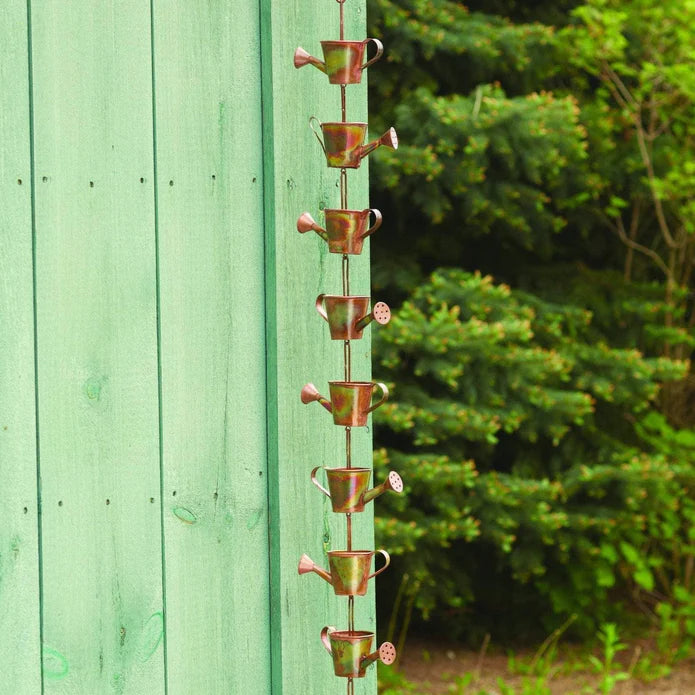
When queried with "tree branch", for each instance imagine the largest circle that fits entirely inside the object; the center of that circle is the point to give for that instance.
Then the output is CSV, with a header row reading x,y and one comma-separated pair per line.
x,y
634,224
620,85
620,228
647,161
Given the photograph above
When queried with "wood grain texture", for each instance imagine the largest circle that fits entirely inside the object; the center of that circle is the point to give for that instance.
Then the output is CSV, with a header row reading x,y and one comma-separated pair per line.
x,y
209,162
298,269
97,348
19,553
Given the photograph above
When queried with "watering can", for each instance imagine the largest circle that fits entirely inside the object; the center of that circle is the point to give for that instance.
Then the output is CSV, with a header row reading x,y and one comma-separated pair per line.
x,y
349,570
347,316
348,487
345,230
342,60
351,401
350,650
342,143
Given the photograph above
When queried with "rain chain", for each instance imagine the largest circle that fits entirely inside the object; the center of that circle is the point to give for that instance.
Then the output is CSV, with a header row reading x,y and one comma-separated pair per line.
x,y
347,315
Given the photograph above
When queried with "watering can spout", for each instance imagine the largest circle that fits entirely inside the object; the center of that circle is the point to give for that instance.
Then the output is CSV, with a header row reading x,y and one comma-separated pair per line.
x,y
302,58
306,223
388,139
386,654
310,393
306,564
393,482
381,313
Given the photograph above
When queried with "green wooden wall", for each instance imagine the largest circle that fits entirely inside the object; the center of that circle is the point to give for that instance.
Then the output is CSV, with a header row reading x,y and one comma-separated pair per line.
x,y
156,327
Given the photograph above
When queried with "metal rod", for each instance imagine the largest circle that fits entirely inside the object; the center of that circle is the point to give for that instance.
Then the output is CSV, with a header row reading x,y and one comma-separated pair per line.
x,y
343,189
342,20
346,345
346,274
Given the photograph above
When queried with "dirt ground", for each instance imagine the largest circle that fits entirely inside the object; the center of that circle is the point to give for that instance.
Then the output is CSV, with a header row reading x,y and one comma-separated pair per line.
x,y
435,666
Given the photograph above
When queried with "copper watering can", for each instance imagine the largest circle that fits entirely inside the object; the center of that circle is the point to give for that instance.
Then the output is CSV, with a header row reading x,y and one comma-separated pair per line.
x,y
348,487
347,316
349,570
350,650
345,230
342,143
351,401
342,60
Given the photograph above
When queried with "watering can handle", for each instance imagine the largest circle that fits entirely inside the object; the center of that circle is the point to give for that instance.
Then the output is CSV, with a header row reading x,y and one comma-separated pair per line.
x,y
318,485
387,557
376,225
384,396
379,52
324,638
320,308
318,137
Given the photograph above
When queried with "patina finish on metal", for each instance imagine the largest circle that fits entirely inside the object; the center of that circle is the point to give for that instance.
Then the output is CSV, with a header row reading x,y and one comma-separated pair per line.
x,y
350,650
348,487
349,570
345,230
351,401
343,146
347,317
342,60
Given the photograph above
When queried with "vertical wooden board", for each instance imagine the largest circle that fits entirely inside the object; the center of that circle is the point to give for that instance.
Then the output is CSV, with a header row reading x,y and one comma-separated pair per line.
x,y
97,348
299,268
210,219
19,553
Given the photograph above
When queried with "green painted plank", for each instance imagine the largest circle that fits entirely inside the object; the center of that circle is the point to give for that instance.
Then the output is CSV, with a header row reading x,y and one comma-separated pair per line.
x,y
19,554
210,221
298,269
97,347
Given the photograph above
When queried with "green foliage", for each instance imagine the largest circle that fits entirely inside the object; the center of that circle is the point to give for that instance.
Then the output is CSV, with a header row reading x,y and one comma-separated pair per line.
x,y
487,163
677,624
643,118
392,682
504,422
443,44
533,419
610,672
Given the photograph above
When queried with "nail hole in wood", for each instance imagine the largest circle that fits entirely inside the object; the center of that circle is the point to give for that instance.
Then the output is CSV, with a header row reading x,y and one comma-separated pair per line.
x,y
171,183
213,177
253,180
44,179
108,502
151,500
26,510
91,184
19,181
214,495
60,503
142,180
173,494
